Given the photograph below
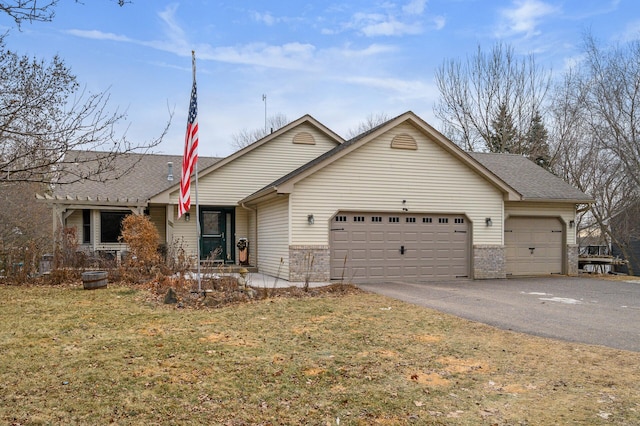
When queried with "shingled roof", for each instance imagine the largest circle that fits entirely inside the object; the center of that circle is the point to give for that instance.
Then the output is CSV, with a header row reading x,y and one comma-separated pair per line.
x,y
530,180
142,176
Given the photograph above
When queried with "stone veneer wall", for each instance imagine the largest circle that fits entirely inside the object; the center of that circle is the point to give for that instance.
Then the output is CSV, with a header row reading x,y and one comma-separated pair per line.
x,y
572,259
489,262
299,262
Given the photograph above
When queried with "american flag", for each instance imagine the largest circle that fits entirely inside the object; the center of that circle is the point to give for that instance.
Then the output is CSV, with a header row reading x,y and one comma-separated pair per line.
x,y
190,154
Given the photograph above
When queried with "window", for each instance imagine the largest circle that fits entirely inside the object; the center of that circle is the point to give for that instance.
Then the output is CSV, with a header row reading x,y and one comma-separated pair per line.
x,y
443,220
358,218
341,218
411,220
394,220
427,220
376,219
86,226
459,220
111,226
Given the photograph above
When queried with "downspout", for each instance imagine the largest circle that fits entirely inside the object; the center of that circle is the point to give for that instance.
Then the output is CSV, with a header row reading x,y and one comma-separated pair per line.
x,y
255,237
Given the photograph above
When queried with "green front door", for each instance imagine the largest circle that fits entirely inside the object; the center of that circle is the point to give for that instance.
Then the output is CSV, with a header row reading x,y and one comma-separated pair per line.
x,y
216,234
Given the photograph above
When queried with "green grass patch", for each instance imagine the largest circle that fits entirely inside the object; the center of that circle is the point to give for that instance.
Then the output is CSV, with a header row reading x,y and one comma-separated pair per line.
x,y
70,356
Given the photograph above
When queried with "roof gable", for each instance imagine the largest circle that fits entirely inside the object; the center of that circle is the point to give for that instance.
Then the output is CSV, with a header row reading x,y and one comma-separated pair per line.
x,y
286,183
300,122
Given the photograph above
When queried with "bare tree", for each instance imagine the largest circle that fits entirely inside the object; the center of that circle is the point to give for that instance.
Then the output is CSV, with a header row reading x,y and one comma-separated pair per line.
x,y
246,137
595,135
35,10
44,116
613,80
473,92
372,121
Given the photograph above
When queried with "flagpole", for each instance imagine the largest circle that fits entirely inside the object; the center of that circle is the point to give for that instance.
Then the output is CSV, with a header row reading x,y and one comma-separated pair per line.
x,y
193,61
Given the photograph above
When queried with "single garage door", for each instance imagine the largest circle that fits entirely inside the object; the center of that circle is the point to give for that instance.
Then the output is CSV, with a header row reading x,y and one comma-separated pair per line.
x,y
386,246
533,246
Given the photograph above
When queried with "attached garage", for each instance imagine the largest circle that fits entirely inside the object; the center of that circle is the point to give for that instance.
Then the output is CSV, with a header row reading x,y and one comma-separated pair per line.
x,y
401,202
391,246
534,245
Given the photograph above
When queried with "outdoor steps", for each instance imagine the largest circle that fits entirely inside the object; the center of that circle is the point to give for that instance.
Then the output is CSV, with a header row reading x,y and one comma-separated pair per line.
x,y
219,266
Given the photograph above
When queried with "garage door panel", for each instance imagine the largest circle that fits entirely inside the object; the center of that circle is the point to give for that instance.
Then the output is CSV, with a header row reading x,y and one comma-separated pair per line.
x,y
435,247
376,236
534,246
376,255
358,236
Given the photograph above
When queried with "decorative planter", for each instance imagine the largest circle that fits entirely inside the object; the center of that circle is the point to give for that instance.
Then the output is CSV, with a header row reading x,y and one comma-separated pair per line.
x,y
94,279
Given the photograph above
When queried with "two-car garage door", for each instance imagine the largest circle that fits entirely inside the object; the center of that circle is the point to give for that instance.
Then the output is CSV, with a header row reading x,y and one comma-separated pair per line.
x,y
390,246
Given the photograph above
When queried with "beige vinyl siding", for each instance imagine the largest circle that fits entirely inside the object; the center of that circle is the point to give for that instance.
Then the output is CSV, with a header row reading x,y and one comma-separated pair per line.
x,y
257,168
376,177
185,233
273,238
75,221
565,212
246,228
158,216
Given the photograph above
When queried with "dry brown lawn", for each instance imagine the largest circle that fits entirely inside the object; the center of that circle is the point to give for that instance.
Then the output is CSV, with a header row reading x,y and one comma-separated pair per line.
x,y
116,356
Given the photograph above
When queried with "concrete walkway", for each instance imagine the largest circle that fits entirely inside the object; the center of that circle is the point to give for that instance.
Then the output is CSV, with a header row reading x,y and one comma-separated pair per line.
x,y
256,279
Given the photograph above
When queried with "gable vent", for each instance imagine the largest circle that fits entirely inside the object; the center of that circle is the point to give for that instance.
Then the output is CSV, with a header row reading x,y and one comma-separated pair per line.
x,y
304,138
404,141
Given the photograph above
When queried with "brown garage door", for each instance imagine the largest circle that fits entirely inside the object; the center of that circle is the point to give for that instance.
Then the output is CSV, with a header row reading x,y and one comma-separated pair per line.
x,y
384,246
533,246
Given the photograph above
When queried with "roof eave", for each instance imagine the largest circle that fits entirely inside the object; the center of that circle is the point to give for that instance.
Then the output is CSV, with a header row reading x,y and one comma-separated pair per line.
x,y
263,194
92,202
559,200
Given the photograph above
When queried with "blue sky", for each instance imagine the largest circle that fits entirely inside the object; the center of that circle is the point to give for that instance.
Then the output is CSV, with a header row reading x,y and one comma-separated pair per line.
x,y
339,61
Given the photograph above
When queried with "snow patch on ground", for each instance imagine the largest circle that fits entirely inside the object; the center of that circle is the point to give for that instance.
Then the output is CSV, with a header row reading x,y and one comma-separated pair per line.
x,y
565,300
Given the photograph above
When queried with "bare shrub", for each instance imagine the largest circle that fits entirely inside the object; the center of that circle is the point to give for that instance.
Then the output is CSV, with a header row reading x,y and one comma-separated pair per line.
x,y
141,235
176,258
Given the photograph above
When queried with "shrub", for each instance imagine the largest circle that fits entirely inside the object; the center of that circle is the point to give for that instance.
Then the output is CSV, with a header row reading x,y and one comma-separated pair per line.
x,y
141,235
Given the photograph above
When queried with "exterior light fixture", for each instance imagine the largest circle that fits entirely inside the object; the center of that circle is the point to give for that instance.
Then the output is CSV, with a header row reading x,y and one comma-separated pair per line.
x,y
187,217
572,223
488,221
310,219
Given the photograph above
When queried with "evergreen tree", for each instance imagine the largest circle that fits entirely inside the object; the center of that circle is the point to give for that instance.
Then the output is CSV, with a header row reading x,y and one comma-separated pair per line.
x,y
537,142
504,135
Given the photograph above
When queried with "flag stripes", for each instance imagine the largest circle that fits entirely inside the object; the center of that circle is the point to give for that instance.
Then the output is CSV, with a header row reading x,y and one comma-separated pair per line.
x,y
190,154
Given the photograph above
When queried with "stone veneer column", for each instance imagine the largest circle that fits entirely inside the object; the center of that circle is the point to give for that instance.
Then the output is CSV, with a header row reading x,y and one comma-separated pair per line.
x,y
572,259
300,266
489,262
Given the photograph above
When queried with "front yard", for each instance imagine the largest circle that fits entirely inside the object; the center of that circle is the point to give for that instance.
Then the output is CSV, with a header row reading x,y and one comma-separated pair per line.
x,y
115,355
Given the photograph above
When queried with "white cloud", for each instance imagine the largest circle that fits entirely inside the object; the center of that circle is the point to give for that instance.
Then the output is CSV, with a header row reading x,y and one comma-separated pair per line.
x,y
174,30
98,35
402,89
377,24
524,17
414,7
266,18
631,32
391,27
293,56
439,22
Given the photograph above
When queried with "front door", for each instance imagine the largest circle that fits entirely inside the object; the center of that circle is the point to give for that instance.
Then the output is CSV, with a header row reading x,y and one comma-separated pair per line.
x,y
216,226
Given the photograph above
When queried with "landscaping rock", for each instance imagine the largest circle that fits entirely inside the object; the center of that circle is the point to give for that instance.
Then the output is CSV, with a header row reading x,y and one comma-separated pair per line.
x,y
171,297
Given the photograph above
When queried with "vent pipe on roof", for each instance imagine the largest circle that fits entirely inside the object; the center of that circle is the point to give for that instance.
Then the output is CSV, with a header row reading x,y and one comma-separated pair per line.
x,y
170,171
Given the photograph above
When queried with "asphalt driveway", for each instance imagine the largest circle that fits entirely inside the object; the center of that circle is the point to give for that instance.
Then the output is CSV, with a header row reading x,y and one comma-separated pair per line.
x,y
579,309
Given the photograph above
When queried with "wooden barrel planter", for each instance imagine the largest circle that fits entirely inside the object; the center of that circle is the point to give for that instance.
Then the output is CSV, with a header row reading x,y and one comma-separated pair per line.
x,y
94,280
